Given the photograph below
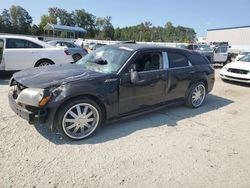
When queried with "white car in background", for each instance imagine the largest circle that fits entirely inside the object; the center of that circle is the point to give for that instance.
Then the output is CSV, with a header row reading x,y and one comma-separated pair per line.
x,y
242,54
19,52
237,71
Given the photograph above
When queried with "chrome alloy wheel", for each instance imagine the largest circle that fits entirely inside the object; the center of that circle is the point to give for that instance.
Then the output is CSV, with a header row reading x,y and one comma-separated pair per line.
x,y
198,95
80,121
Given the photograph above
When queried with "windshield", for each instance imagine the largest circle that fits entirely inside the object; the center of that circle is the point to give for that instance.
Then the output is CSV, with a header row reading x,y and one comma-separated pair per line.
x,y
205,48
105,59
245,58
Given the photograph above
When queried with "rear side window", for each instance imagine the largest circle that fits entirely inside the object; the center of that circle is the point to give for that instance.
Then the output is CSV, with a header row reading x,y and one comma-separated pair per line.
x,y
68,45
20,43
197,59
223,49
177,60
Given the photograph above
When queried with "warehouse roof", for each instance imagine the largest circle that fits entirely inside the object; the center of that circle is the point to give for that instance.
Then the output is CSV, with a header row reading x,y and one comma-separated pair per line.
x,y
226,28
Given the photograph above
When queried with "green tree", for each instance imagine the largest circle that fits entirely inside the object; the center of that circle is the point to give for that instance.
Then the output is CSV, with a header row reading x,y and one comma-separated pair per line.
x,y
44,20
16,20
35,30
104,28
6,21
20,19
85,20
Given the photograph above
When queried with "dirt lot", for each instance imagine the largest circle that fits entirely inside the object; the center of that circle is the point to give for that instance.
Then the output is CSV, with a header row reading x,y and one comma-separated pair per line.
x,y
175,147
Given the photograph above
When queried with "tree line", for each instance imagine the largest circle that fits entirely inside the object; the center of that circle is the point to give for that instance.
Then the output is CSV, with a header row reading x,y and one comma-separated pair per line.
x,y
17,20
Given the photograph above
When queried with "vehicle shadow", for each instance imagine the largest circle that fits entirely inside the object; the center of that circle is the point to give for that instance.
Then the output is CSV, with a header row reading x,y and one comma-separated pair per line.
x,y
167,117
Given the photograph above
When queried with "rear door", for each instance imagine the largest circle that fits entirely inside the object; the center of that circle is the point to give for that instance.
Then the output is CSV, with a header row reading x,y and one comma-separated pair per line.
x,y
180,73
20,54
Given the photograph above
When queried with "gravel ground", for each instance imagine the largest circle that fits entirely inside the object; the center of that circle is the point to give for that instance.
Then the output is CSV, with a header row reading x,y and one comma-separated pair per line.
x,y
175,147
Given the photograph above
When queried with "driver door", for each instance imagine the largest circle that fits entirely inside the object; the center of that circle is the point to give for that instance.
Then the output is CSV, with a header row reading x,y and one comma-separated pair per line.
x,y
221,54
151,88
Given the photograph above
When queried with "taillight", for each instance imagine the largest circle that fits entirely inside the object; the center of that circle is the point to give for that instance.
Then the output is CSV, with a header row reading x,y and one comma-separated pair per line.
x,y
66,52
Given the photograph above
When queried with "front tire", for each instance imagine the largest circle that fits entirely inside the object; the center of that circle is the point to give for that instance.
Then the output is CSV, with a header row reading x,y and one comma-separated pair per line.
x,y
78,119
196,95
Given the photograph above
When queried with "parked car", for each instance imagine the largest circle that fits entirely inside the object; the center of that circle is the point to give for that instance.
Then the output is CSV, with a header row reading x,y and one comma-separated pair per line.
x,y
217,53
76,51
18,53
242,54
207,51
237,71
112,82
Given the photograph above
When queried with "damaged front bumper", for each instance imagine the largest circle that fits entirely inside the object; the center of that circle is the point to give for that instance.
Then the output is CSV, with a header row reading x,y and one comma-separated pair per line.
x,y
37,115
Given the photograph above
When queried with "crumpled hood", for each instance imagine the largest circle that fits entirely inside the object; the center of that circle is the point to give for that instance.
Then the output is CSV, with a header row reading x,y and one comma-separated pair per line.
x,y
239,65
43,77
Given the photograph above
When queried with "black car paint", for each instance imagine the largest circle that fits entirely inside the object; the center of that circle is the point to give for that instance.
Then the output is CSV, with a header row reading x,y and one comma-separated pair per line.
x,y
115,92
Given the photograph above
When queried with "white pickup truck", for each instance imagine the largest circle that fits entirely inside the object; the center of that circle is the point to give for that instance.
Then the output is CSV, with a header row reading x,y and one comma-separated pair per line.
x,y
19,52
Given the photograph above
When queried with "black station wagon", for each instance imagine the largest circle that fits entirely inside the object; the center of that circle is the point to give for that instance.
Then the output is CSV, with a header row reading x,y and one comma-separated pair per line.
x,y
112,82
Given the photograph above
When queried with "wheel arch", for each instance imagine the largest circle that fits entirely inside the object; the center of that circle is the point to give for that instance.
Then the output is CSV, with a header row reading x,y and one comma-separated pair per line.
x,y
203,80
43,59
89,96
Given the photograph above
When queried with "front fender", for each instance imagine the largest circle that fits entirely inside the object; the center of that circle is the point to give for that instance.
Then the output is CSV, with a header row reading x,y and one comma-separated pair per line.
x,y
106,93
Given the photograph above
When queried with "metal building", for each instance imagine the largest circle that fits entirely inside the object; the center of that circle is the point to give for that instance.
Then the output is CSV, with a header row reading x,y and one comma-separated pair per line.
x,y
63,31
237,37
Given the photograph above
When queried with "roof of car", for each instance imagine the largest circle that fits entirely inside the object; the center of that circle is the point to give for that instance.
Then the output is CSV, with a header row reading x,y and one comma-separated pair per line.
x,y
32,39
136,46
16,36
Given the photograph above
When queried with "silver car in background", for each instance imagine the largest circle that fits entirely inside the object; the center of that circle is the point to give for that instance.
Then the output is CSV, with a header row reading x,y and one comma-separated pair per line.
x,y
76,51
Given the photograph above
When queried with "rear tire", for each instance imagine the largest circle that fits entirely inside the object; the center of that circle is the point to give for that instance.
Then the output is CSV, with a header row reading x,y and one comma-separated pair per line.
x,y
76,57
44,62
196,95
78,119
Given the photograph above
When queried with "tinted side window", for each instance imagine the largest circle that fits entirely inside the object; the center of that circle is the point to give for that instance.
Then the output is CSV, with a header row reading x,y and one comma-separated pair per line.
x,y
223,49
197,59
147,61
19,43
177,60
68,45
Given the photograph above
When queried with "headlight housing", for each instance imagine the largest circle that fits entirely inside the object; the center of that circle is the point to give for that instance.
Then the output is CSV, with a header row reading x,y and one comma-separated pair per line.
x,y
33,97
39,97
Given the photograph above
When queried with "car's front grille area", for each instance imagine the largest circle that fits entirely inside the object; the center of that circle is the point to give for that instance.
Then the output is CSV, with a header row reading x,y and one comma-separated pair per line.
x,y
244,79
238,71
